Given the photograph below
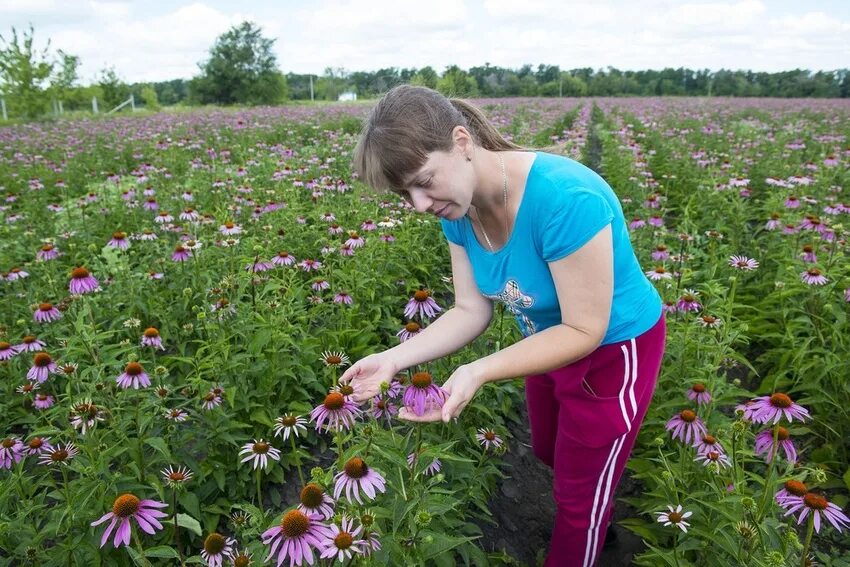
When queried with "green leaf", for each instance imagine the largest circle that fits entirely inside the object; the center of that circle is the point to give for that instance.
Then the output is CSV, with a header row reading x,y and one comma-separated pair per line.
x,y
190,523
135,556
846,478
162,551
159,444
441,544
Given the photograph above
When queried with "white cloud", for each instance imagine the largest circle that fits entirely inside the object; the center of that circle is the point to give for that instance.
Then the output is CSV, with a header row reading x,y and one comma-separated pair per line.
x,y
161,39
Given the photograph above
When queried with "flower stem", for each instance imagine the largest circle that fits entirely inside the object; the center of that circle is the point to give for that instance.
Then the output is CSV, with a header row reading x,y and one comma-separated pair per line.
x,y
297,459
176,528
259,492
809,530
767,479
139,547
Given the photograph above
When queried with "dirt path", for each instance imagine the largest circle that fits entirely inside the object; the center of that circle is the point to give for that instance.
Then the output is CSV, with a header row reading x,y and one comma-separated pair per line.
x,y
524,509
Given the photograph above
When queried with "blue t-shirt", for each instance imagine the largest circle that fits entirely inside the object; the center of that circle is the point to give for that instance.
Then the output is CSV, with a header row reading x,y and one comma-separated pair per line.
x,y
564,205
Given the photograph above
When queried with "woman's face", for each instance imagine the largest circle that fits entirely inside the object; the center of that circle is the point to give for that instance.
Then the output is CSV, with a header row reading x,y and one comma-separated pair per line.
x,y
443,186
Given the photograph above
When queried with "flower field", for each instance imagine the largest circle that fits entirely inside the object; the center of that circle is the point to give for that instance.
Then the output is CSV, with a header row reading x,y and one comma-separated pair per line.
x,y
182,291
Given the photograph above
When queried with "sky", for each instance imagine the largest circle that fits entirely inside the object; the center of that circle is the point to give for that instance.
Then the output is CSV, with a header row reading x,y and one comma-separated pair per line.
x,y
161,40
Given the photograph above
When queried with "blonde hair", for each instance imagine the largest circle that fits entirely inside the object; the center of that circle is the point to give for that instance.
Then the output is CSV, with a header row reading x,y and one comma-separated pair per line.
x,y
407,124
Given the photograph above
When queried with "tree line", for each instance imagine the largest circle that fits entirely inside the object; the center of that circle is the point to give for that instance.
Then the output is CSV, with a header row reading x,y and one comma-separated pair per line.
x,y
242,68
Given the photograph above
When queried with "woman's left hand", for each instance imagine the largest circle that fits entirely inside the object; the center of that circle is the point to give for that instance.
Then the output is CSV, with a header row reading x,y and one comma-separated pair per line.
x,y
461,387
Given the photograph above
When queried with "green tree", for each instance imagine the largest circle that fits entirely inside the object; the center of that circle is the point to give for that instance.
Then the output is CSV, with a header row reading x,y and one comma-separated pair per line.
x,y
65,77
425,77
242,68
114,90
24,74
456,82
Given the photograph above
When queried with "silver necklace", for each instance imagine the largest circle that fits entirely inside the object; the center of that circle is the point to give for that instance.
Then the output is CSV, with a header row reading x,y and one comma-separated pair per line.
x,y
505,199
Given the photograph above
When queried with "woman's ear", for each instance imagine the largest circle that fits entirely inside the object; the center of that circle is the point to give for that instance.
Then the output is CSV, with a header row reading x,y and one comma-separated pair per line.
x,y
462,140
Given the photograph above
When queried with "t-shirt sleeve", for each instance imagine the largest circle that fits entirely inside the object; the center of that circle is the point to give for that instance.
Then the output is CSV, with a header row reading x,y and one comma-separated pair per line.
x,y
573,217
452,231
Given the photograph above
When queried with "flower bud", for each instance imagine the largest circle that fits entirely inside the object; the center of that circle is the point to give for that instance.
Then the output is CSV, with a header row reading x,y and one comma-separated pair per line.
x,y
187,291
422,519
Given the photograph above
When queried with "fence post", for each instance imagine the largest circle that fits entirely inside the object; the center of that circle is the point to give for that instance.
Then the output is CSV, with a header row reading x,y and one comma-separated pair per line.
x,y
3,107
94,104
61,110
133,102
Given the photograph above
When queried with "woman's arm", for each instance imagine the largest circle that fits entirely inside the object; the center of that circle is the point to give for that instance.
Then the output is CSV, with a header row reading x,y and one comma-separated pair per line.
x,y
456,328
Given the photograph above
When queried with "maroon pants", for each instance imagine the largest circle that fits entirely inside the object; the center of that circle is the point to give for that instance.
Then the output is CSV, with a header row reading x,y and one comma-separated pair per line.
x,y
584,421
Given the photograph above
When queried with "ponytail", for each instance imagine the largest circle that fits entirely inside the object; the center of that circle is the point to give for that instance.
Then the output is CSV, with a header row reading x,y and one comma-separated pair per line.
x,y
482,130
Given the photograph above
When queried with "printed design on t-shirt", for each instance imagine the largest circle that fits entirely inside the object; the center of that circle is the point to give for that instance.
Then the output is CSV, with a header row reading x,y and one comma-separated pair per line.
x,y
515,301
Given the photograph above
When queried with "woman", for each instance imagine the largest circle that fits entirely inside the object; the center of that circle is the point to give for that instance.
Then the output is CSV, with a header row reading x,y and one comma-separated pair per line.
x,y
546,236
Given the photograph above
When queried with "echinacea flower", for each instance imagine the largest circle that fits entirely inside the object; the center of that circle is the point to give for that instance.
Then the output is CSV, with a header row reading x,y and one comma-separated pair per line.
x,y
488,438
242,558
7,351
180,254
176,414
42,365
296,536
134,375
37,445
289,423
58,455
82,282
410,330
176,477
432,469
211,400
151,338
129,506
342,541
47,252
714,458
11,452
258,266
708,443
675,517
314,500
792,492
819,506
43,401
813,276
658,273
335,358
383,408
119,240
85,415
259,452
30,344
339,412
344,298
46,313
217,548
688,302
229,228
743,263
283,259
775,407
356,476
709,321
422,394
764,444
421,304
686,426
699,393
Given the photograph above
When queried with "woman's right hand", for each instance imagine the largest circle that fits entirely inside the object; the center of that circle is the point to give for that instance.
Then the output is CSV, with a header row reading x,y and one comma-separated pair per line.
x,y
367,374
